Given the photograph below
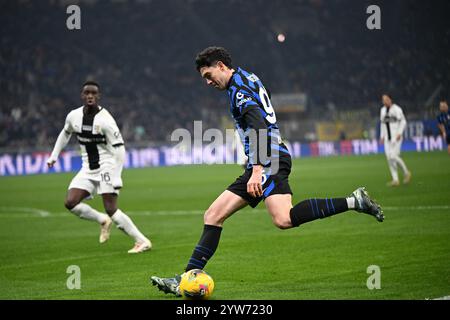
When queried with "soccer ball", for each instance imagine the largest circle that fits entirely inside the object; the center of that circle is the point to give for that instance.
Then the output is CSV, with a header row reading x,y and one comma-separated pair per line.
x,y
196,284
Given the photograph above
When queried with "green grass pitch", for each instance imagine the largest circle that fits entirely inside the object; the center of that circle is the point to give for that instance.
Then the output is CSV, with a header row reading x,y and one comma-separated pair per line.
x,y
325,259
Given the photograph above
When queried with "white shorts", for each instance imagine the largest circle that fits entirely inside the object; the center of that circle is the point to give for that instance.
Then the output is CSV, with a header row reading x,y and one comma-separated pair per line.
x,y
94,183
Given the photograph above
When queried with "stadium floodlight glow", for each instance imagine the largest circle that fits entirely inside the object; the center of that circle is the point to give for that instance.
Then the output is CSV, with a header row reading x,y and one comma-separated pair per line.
x,y
281,37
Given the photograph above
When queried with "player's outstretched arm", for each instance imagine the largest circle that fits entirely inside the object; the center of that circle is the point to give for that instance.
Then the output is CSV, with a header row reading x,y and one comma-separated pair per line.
x,y
61,143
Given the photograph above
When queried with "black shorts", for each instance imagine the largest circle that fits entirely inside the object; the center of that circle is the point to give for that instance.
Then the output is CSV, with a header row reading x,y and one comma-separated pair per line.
x,y
448,139
274,184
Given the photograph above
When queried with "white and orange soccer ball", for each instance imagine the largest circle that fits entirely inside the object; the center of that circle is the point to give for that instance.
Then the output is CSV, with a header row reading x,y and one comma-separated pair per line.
x,y
196,284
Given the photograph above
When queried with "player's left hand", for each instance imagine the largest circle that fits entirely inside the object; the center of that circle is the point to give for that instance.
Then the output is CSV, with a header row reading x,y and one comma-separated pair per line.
x,y
399,136
117,182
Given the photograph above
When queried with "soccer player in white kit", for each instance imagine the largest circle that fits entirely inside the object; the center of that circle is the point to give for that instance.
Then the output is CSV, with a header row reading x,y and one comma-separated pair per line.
x,y
103,155
392,125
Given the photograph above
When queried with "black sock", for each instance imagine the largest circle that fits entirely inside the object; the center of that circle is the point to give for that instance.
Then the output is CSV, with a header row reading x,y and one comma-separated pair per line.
x,y
312,209
205,248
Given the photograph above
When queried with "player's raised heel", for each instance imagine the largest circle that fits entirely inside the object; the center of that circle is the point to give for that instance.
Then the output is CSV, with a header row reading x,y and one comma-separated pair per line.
x,y
105,230
364,204
167,285
141,247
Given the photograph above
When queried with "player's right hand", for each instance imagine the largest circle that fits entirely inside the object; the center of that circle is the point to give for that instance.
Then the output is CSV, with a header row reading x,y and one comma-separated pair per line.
x,y
50,163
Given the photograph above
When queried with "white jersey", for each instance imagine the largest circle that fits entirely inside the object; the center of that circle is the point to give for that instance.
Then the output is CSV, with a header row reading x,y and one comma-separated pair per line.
x,y
393,122
97,134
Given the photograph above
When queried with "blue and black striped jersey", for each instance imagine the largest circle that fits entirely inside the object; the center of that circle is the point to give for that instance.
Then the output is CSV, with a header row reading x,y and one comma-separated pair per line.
x,y
251,108
444,119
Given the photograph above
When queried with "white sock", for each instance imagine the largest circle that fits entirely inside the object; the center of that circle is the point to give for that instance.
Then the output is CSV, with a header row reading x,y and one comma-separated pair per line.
x,y
351,202
85,211
393,168
402,165
125,224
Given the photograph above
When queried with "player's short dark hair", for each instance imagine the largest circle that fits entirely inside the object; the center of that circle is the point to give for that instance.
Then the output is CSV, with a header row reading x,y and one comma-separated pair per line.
x,y
91,83
388,95
212,55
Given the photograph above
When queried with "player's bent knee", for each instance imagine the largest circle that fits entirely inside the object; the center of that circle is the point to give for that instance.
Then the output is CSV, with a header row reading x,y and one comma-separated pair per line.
x,y
70,203
110,210
282,222
213,217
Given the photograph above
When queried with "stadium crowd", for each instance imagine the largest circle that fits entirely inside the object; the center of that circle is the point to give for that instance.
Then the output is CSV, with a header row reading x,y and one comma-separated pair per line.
x,y
142,53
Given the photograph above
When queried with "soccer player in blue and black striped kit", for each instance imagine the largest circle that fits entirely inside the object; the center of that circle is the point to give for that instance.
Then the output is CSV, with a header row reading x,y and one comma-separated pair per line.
x,y
444,122
268,168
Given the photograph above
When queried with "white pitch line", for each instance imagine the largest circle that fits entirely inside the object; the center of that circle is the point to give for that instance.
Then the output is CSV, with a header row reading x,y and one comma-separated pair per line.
x,y
21,212
417,208
442,298
58,260
39,212
167,213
